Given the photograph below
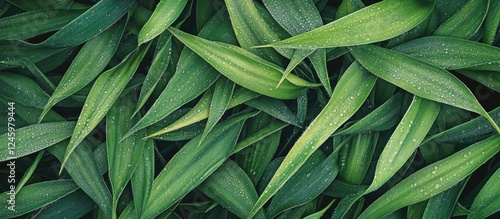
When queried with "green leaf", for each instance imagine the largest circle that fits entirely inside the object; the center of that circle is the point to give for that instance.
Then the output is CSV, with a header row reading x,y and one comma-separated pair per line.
x,y
356,157
223,91
244,68
254,159
142,180
83,168
22,89
487,201
375,23
450,53
33,138
419,78
31,5
252,29
36,196
92,22
467,131
308,183
408,135
192,77
159,65
351,91
434,179
489,79
276,108
66,206
103,94
90,61
319,214
442,205
29,24
466,22
297,17
230,187
380,119
122,154
491,22
200,111
191,165
165,13
267,131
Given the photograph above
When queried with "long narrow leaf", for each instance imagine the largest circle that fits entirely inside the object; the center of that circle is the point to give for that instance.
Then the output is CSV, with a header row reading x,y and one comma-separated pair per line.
x,y
351,91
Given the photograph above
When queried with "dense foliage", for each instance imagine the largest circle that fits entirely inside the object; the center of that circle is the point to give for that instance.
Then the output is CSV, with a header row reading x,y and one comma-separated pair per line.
x,y
249,109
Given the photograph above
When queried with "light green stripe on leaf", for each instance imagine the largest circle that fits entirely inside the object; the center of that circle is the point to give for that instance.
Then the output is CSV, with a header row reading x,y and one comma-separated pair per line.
x,y
434,179
36,196
405,139
33,138
375,23
419,78
350,93
451,53
244,68
193,164
90,61
466,22
103,94
165,13
487,202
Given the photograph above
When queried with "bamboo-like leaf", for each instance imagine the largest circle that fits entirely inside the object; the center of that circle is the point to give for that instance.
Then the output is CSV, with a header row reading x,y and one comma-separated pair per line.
x,y
92,22
434,178
33,138
90,61
103,94
375,23
275,108
22,90
296,17
419,78
254,159
491,22
192,77
408,135
36,196
193,164
158,67
356,157
486,202
74,205
230,187
351,91
142,180
33,23
309,182
466,22
442,205
489,79
122,154
244,68
451,53
466,131
200,111
223,91
252,29
260,135
319,214
165,13
83,168
380,119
